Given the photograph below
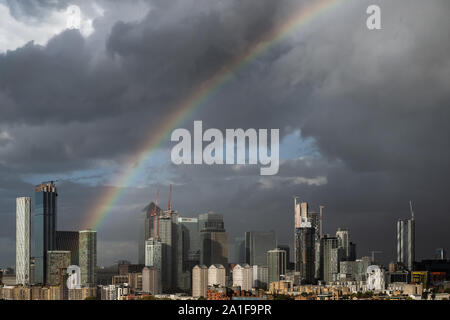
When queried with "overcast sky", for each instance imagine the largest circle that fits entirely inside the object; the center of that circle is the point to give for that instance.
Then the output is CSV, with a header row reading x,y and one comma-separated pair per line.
x,y
363,115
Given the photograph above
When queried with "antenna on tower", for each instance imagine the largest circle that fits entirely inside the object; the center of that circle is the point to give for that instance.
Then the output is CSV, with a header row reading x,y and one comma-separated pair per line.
x,y
411,210
170,197
321,220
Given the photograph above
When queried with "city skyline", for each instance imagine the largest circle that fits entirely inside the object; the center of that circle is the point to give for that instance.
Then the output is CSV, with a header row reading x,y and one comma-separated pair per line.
x,y
362,116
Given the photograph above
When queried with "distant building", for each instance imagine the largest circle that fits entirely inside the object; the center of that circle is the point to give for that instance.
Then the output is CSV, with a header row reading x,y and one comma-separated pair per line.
x,y
330,258
276,263
88,257
257,243
239,250
213,239
58,261
153,258
216,275
43,228
243,277
189,250
23,219
305,253
200,281
150,281
440,254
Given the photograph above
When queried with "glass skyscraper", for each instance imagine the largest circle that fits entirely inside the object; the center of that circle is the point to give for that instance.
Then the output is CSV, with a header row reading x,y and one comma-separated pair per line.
x,y
43,228
257,243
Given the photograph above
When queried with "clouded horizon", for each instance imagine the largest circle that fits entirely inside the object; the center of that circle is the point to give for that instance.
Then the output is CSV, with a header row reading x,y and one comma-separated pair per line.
x,y
363,115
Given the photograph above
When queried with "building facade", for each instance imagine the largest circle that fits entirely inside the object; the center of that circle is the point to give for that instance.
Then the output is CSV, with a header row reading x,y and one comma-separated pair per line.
x,y
200,281
276,263
213,239
23,219
243,277
43,228
257,243
88,257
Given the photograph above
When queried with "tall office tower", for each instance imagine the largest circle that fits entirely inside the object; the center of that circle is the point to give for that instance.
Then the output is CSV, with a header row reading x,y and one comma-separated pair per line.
x,y
189,250
150,281
216,275
239,250
243,277
213,239
276,263
257,243
329,258
69,241
260,277
352,256
286,248
166,237
88,257
406,241
153,258
200,281
305,254
23,218
146,228
58,262
43,228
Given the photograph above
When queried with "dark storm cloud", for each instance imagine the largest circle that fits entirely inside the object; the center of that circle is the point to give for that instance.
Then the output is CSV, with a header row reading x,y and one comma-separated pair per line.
x,y
375,102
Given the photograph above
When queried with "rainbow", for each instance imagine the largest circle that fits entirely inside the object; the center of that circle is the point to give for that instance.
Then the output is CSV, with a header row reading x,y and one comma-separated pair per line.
x,y
186,107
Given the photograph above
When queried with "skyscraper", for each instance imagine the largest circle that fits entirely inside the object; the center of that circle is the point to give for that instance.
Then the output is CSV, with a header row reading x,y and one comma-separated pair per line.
x,y
257,243
243,277
276,263
23,217
406,241
199,281
239,250
330,256
213,239
153,258
305,253
150,280
43,228
88,257
343,241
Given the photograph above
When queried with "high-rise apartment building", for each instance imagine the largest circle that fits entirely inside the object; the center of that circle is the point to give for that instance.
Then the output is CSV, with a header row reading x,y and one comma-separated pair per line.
x,y
305,253
257,243
88,257
43,228
153,258
188,250
276,263
200,281
213,239
260,277
406,241
69,241
243,277
23,219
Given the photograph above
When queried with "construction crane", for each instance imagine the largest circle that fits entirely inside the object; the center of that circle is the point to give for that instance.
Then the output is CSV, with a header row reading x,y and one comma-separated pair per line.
x,y
155,219
373,254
